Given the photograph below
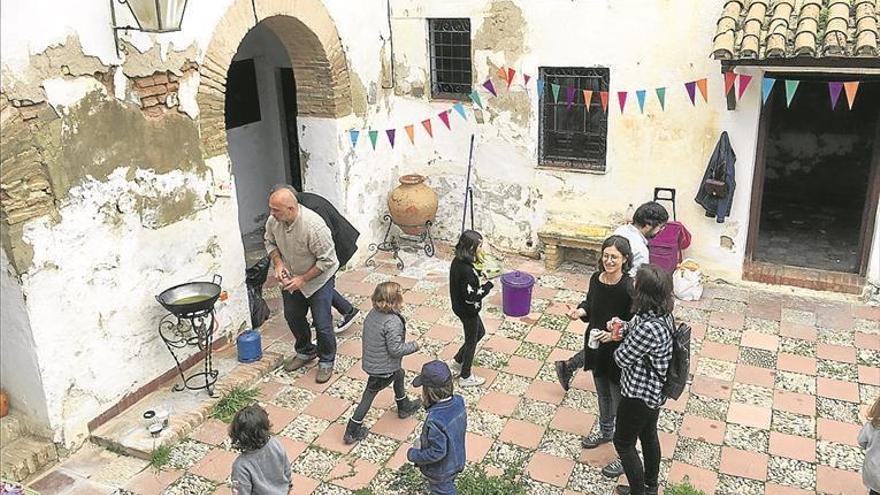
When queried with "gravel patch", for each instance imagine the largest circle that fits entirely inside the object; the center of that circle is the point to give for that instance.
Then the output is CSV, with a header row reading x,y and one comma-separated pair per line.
x,y
728,305
747,438
868,393
715,368
757,357
839,371
839,456
697,453
485,423
798,316
798,347
745,393
760,325
190,484
587,479
867,326
836,336
838,410
734,485
707,407
785,471
316,463
375,448
561,444
566,296
691,315
186,453
507,456
490,359
796,382
510,384
305,428
535,411
670,421
793,424
513,329
554,322
551,281
723,335
571,342
869,357
534,351
346,387
582,400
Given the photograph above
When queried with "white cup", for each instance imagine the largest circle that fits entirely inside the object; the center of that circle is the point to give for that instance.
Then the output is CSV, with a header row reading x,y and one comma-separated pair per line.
x,y
593,342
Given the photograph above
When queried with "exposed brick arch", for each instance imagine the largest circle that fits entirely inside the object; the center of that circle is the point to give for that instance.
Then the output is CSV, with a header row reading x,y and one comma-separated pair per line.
x,y
309,35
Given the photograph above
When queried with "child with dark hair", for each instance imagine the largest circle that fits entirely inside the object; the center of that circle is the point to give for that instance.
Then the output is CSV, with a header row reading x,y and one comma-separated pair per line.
x,y
869,439
440,450
384,346
262,468
648,220
644,357
609,296
467,293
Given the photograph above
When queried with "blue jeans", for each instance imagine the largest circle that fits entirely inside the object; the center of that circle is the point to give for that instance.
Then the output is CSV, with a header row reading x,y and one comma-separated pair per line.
x,y
609,398
442,487
296,305
341,304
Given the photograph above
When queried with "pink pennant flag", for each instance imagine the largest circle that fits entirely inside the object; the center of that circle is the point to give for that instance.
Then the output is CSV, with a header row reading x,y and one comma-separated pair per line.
x,y
526,78
729,80
390,133
621,98
444,116
692,91
850,88
588,98
744,81
490,87
427,125
603,96
510,74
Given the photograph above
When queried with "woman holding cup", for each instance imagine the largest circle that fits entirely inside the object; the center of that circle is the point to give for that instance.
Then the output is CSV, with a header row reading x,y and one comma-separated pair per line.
x,y
609,297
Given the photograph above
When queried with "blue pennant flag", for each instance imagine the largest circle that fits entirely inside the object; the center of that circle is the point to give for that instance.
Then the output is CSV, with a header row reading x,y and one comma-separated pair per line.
x,y
640,94
767,87
460,109
354,133
540,87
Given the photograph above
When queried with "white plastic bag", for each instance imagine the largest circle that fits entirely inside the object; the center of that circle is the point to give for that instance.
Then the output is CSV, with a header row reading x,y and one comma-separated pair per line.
x,y
687,283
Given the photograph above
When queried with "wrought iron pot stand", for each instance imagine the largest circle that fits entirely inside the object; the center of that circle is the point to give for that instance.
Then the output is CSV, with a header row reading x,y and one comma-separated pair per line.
x,y
191,330
391,242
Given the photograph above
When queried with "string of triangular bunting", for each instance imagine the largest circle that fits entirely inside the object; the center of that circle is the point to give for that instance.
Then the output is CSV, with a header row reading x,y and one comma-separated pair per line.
x,y
573,95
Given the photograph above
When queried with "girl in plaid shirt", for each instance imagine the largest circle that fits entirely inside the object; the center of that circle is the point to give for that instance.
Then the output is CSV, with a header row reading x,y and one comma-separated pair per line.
x,y
644,357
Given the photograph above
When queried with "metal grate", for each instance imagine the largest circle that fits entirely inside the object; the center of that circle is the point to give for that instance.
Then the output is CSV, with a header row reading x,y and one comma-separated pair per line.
x,y
450,57
573,138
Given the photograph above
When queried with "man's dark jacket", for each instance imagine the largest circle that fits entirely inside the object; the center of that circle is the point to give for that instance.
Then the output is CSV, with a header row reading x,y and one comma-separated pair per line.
x,y
344,234
721,167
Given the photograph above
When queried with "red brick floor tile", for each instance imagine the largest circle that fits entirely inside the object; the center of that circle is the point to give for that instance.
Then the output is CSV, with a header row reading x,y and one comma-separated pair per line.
x,y
867,341
794,402
698,330
223,490
679,404
491,324
598,457
774,489
212,432
837,316
768,311
477,446
837,481
522,433
450,351
844,353
406,283
754,375
303,485
712,387
357,372
415,361
443,333
583,380
837,431
352,348
353,474
545,391
866,312
498,403
293,447
558,354
531,318
550,469
414,298
558,308
837,389
724,352
668,442
327,407
576,327
544,336
702,479
307,381
279,417
703,429
521,366
733,321
573,421
269,389
743,463
793,447
499,343
427,314
869,375
796,364
216,465
151,482
486,373
385,398
541,292
391,426
331,439
797,331
399,457
749,415
751,338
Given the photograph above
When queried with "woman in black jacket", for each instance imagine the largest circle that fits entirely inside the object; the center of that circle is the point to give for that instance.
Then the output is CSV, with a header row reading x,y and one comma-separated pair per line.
x,y
466,294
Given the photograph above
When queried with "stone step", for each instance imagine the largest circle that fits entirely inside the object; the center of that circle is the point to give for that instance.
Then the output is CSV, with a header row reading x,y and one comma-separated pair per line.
x,y
12,427
25,456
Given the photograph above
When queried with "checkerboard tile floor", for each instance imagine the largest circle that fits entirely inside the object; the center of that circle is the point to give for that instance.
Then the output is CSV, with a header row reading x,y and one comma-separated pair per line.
x,y
780,384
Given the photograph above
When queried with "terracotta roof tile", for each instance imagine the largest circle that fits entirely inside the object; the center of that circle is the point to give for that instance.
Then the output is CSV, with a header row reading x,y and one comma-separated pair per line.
x,y
765,29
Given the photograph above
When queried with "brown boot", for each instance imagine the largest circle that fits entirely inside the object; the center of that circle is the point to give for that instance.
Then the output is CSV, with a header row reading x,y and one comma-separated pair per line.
x,y
297,362
324,375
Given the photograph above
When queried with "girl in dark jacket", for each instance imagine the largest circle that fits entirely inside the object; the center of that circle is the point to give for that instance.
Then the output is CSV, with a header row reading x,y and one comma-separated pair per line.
x,y
467,293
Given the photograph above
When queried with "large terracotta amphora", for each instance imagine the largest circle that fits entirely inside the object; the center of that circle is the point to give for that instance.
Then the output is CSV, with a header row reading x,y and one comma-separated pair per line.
x,y
412,203
4,403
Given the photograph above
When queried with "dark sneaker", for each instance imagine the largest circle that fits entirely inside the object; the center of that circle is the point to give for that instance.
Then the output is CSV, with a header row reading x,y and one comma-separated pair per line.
x,y
324,375
297,362
354,432
563,374
614,469
622,490
594,440
651,490
347,320
407,407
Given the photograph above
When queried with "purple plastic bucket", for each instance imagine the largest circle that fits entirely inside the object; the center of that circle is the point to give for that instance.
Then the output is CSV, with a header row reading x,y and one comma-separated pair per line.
x,y
516,293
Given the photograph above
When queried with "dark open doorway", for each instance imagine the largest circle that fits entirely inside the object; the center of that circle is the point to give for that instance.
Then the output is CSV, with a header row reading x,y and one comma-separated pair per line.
x,y
816,177
287,85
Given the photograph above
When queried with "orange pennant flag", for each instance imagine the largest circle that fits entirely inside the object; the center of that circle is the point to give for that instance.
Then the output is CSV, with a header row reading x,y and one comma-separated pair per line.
x,y
588,98
502,73
603,95
701,83
427,124
510,74
410,131
851,88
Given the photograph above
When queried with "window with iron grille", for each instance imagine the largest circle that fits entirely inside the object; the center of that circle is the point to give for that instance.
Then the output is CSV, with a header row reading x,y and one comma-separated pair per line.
x,y
573,137
450,57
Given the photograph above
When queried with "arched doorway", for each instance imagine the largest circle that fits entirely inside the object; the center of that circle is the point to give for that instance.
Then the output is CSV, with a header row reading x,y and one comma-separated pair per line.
x,y
272,69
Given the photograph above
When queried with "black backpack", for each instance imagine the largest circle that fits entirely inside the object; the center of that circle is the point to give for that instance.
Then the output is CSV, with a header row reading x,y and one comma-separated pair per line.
x,y
679,366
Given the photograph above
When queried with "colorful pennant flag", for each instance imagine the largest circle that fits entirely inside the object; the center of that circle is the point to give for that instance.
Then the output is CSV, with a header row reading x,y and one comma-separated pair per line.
x,y
411,133
490,87
729,80
510,74
588,98
621,98
475,97
354,134
427,125
569,96
766,88
502,73
603,96
458,107
526,78
540,85
661,96
791,86
444,116
744,81
640,95
851,88
555,89
834,89
373,136
390,133
692,91
704,90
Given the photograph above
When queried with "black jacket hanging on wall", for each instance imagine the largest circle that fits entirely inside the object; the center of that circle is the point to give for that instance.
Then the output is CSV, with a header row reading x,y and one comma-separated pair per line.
x,y
719,182
344,234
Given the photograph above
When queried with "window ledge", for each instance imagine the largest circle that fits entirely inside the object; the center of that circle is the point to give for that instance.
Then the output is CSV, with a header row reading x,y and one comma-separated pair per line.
x,y
554,168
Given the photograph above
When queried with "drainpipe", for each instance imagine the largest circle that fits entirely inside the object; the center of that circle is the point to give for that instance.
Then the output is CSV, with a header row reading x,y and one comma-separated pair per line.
x,y
388,83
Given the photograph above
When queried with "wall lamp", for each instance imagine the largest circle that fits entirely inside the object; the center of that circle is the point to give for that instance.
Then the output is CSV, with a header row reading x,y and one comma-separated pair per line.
x,y
151,16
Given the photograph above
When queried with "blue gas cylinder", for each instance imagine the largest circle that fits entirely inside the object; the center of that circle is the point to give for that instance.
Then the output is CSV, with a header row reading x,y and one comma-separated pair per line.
x,y
250,346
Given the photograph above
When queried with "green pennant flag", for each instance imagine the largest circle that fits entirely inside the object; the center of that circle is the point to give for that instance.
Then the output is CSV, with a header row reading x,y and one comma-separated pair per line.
x,y
373,136
476,98
790,88
555,89
661,95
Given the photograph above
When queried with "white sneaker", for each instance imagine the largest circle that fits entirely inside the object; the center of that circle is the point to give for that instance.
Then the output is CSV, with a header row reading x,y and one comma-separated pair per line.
x,y
454,367
471,381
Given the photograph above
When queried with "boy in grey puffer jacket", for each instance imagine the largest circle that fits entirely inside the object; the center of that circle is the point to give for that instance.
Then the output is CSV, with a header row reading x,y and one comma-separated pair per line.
x,y
384,346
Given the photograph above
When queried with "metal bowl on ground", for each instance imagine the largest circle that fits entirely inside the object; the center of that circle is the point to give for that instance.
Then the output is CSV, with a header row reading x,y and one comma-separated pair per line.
x,y
191,297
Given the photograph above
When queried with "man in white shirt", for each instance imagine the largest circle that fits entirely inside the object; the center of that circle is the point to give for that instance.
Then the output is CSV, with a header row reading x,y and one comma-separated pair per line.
x,y
648,220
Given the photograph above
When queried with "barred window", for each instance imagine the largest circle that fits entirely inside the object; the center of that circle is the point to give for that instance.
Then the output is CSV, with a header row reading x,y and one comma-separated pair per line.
x,y
575,137
450,57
